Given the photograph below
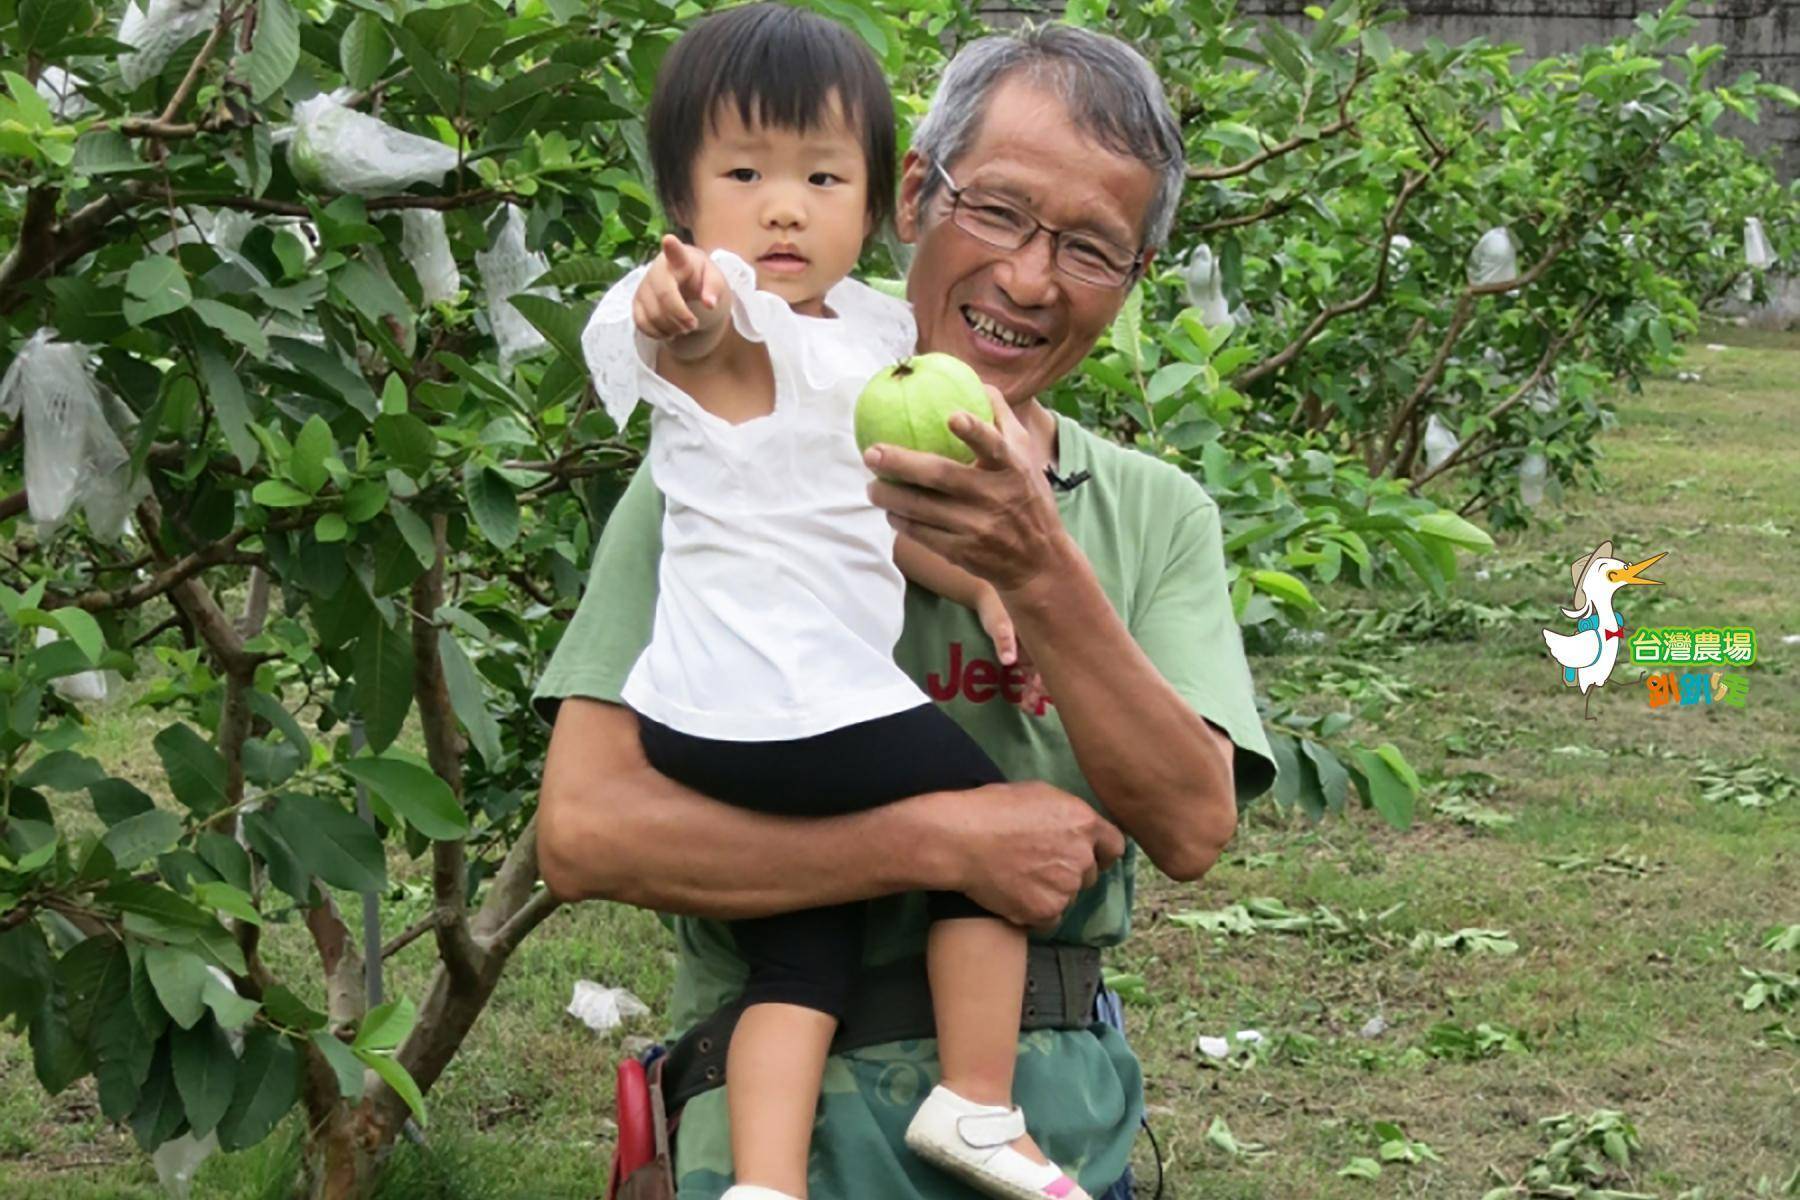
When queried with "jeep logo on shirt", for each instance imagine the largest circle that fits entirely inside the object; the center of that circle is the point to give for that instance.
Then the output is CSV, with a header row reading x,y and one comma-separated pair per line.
x,y
979,680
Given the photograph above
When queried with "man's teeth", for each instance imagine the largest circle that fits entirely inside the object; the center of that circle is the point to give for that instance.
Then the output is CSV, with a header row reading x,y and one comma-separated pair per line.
x,y
984,324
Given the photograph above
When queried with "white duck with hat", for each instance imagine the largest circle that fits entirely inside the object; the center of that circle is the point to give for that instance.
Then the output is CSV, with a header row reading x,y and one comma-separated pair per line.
x,y
1588,655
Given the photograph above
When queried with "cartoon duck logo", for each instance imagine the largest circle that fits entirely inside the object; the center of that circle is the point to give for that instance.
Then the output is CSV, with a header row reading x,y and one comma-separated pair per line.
x,y
1587,655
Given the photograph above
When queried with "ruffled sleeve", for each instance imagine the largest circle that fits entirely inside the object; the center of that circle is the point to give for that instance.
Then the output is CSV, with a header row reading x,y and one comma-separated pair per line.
x,y
886,320
623,361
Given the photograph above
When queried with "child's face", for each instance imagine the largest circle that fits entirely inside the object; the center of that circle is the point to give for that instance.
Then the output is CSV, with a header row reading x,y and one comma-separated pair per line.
x,y
794,206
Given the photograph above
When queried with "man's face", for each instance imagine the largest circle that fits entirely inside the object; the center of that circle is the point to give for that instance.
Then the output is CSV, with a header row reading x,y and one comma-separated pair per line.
x,y
1030,152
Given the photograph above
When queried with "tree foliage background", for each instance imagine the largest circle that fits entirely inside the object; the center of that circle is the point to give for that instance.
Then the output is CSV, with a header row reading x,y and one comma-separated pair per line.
x,y
296,425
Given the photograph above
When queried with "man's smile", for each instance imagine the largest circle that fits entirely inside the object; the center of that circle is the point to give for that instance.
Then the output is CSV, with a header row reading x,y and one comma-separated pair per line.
x,y
992,332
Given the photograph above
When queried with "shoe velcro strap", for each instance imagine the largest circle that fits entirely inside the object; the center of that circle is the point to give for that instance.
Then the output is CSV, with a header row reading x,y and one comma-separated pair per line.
x,y
988,1130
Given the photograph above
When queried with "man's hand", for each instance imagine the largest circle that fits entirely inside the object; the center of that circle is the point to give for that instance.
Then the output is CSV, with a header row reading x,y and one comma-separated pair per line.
x,y
1025,848
995,519
680,294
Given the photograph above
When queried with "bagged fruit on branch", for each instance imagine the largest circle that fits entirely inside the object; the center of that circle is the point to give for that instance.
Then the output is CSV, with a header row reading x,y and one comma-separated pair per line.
x,y
156,31
507,269
1440,442
72,454
61,90
338,149
1534,472
1757,253
426,246
1495,258
1206,287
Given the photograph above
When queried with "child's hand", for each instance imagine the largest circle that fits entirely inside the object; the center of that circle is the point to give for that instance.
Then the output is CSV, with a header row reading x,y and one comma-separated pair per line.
x,y
681,294
998,624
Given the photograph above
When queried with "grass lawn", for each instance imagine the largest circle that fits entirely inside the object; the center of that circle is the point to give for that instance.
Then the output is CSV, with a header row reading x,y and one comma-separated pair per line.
x,y
1633,902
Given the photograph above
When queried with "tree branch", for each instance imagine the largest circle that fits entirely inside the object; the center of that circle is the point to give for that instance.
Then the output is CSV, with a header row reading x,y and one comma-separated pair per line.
x,y
1270,153
1546,361
444,748
1389,226
345,999
227,17
1271,208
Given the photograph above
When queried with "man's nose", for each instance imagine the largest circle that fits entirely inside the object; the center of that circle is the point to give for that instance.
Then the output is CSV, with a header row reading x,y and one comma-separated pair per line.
x,y
1028,274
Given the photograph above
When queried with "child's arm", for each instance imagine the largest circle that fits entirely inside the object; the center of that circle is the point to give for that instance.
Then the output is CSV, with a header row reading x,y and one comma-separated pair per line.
x,y
684,302
936,574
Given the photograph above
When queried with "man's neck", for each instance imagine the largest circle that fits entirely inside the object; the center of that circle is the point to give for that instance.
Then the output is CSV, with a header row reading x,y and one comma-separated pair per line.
x,y
1040,423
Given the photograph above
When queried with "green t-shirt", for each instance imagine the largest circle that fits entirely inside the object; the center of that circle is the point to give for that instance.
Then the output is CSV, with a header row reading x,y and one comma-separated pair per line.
x,y
1152,537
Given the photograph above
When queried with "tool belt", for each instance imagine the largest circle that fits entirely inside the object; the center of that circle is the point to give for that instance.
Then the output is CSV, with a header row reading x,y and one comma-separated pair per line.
x,y
891,1003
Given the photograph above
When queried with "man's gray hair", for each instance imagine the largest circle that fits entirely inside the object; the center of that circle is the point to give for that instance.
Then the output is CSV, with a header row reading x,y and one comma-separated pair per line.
x,y
1110,92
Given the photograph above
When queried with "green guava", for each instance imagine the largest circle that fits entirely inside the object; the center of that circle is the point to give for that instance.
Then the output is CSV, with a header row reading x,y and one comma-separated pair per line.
x,y
910,404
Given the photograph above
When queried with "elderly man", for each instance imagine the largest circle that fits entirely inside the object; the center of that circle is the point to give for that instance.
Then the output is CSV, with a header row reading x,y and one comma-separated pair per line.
x,y
1038,186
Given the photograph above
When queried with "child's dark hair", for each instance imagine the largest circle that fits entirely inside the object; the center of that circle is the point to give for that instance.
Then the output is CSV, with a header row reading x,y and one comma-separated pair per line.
x,y
781,66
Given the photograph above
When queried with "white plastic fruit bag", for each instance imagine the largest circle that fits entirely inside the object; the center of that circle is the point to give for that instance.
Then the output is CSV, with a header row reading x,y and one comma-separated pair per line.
x,y
507,269
427,247
341,150
72,454
61,91
1495,258
1206,287
157,30
1533,474
1757,253
1440,442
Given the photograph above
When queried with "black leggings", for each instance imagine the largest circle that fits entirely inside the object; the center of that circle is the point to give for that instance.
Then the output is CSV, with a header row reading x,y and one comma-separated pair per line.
x,y
811,958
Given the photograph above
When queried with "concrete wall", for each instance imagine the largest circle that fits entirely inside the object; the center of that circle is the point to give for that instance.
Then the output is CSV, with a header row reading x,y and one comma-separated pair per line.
x,y
1759,35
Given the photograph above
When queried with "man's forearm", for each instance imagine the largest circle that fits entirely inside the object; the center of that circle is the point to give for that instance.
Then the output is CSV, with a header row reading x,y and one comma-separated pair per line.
x,y
1162,772
610,826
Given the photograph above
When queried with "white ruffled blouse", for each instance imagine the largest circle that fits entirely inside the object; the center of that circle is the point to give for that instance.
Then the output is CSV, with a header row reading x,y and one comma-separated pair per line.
x,y
778,600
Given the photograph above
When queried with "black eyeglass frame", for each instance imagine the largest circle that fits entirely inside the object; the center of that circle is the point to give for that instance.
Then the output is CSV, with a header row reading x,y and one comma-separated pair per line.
x,y
1133,272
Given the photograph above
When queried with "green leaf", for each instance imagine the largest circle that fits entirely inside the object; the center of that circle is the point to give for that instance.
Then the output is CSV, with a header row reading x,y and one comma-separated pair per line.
x,y
196,771
312,446
365,50
343,1062
492,501
336,845
158,1113
227,898
1384,789
396,1077
370,293
267,1087
179,977
383,661
417,534
407,440
226,392
231,1010
365,498
25,970
331,528
275,48
1452,528
561,324
140,838
274,493
1284,587
205,1074
413,792
235,324
469,699
156,286
83,630
1128,329
386,1026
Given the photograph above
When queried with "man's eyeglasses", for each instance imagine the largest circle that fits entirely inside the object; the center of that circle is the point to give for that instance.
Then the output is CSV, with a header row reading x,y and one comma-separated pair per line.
x,y
1088,257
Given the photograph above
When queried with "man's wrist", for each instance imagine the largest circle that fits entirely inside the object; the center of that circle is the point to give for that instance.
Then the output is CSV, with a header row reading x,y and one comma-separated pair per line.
x,y
931,860
1059,568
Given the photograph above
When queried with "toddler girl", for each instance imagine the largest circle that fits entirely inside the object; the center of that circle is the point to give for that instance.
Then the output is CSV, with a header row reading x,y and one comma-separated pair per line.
x,y
769,681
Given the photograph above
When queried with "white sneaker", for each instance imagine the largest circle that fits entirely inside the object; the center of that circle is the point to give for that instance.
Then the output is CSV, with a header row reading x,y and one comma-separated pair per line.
x,y
749,1191
973,1142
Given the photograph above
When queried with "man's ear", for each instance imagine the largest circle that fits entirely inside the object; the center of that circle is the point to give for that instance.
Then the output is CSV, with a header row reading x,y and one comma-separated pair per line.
x,y
913,170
